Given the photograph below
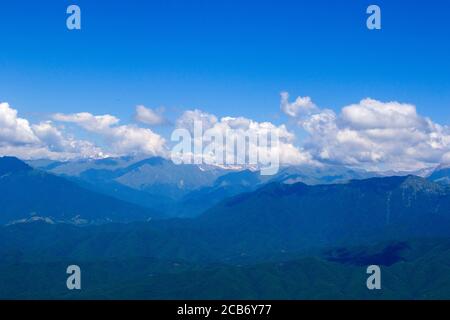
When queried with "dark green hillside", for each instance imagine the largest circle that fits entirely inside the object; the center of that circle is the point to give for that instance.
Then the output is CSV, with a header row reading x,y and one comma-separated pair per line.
x,y
422,271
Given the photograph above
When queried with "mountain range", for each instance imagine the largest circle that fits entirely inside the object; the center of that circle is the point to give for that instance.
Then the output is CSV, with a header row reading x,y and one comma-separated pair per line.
x,y
30,194
181,190
141,233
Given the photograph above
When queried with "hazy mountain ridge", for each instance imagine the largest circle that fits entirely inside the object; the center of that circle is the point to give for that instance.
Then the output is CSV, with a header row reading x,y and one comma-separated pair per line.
x,y
441,175
183,190
26,192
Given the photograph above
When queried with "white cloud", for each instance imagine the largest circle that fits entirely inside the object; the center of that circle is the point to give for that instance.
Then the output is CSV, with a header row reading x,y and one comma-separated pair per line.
x,y
45,140
88,121
371,134
373,114
301,105
57,142
376,135
19,138
237,129
122,139
189,117
14,130
150,116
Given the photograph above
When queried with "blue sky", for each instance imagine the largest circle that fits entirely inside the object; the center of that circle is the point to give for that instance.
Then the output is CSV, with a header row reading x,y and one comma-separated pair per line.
x,y
226,57
232,58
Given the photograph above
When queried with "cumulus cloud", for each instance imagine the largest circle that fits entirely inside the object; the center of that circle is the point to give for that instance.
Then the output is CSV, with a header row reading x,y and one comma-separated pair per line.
x,y
58,143
370,134
88,121
301,105
230,130
376,135
373,114
20,138
150,116
14,130
122,139
189,117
